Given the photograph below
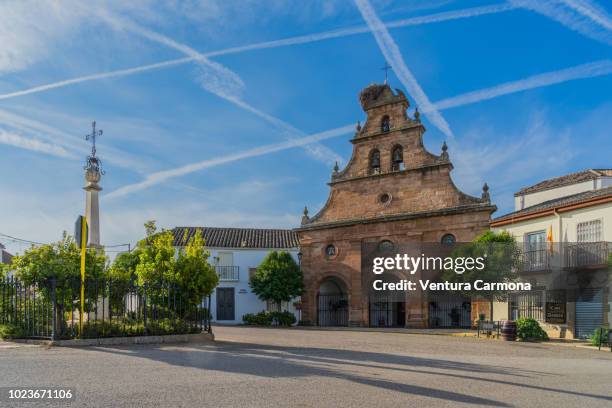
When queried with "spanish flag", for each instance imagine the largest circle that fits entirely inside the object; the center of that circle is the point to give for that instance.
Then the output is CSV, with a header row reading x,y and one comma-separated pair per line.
x,y
549,240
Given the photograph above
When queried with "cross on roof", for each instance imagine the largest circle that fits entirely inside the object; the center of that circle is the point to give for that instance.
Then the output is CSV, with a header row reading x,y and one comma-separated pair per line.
x,y
386,68
92,136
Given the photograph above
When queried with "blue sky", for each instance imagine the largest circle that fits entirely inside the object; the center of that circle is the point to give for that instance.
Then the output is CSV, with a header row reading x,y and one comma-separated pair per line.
x,y
233,127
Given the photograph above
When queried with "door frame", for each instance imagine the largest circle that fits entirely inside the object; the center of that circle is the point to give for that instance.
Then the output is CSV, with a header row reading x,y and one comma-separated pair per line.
x,y
218,303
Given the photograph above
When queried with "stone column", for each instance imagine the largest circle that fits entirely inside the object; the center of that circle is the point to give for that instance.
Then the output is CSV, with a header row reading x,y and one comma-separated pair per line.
x,y
92,207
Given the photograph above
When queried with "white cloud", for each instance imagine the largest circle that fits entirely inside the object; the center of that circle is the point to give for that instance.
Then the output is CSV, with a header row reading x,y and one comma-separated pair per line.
x,y
394,57
507,161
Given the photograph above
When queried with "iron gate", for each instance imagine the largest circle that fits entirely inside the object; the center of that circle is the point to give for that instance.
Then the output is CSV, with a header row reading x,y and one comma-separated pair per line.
x,y
385,312
332,310
450,312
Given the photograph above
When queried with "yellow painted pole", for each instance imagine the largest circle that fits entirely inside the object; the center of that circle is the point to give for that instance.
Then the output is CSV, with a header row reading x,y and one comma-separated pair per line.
x,y
83,249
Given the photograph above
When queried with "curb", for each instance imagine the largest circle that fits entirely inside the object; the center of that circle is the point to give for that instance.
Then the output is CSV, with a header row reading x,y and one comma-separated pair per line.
x,y
120,341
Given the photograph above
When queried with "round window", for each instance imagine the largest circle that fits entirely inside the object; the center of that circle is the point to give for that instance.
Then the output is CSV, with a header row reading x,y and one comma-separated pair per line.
x,y
384,198
330,251
385,246
448,239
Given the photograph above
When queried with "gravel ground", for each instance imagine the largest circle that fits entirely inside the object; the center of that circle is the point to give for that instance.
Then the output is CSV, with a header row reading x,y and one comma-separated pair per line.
x,y
252,367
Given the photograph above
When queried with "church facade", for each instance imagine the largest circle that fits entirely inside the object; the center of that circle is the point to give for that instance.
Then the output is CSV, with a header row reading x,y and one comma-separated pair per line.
x,y
392,191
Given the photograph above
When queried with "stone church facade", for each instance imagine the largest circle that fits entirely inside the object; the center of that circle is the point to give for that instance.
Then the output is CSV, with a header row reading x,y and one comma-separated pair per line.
x,y
392,189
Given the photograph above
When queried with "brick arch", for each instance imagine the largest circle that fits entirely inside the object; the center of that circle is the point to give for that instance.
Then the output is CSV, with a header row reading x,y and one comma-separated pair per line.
x,y
332,309
333,275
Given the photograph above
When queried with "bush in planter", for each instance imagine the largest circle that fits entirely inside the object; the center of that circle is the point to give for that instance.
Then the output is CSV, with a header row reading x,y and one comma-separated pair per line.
x,y
10,331
529,329
257,319
269,318
283,318
594,338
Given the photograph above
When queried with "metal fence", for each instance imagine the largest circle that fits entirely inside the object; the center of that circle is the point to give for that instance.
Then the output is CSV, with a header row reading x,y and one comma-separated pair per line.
x,y
529,304
450,312
111,309
587,254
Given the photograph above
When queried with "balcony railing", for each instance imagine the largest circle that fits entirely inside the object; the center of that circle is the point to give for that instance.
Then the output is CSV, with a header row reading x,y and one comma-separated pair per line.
x,y
535,260
587,254
228,273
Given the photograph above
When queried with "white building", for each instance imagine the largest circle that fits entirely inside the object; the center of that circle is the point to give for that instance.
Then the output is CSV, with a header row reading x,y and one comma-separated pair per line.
x,y
565,227
5,257
236,253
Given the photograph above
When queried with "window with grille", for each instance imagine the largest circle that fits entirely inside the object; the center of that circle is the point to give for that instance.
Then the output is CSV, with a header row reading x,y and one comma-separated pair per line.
x,y
589,231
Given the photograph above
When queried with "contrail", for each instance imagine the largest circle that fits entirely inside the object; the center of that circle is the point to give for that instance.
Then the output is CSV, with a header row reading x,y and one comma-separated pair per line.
x,y
565,14
72,144
432,18
162,176
591,11
345,32
22,142
593,69
101,75
218,75
394,57
223,82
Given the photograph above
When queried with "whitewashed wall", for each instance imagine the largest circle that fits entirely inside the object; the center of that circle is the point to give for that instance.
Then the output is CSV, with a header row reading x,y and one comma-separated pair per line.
x,y
245,300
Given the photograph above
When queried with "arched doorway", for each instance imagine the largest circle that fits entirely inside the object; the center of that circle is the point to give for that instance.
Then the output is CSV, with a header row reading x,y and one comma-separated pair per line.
x,y
332,303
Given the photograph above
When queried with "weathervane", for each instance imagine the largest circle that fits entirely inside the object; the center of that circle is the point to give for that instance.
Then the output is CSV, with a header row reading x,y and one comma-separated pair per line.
x,y
93,163
386,68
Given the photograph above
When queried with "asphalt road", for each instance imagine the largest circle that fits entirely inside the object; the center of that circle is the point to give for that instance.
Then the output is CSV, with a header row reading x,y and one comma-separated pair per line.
x,y
249,367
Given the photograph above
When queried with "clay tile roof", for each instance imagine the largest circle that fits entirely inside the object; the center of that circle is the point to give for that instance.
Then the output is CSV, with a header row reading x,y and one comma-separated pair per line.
x,y
572,178
217,237
558,203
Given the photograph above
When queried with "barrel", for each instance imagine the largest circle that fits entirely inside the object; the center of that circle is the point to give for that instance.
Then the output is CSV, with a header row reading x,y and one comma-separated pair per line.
x,y
508,330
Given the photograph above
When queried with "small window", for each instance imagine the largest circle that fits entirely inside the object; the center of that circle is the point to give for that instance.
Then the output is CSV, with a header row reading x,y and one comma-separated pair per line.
x,y
386,246
252,272
589,231
397,159
384,198
375,162
384,124
330,251
448,239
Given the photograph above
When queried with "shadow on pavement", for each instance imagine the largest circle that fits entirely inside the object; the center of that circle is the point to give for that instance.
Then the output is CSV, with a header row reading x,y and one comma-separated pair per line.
x,y
292,362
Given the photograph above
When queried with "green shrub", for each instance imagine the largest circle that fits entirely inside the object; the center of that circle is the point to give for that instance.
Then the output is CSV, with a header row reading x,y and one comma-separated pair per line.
x,y
269,318
529,329
594,338
257,319
283,318
10,331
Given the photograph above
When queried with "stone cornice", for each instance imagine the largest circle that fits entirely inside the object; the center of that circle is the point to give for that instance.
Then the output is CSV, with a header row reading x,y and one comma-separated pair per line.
x,y
392,173
399,217
358,139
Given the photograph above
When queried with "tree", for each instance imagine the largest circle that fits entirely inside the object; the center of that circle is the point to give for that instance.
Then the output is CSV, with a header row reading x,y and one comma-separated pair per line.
x,y
278,278
60,260
124,266
195,276
157,263
155,257
502,261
